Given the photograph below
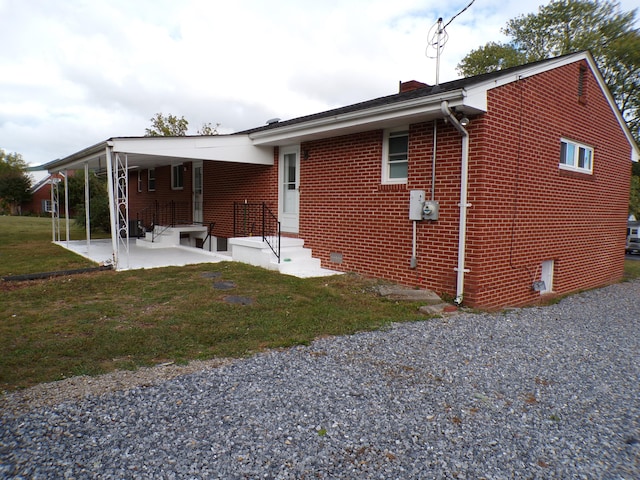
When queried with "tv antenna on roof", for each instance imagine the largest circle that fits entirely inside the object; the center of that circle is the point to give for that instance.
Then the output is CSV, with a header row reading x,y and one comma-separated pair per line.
x,y
439,38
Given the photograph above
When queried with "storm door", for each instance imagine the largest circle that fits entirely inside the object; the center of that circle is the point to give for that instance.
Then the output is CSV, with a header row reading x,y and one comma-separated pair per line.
x,y
197,192
289,193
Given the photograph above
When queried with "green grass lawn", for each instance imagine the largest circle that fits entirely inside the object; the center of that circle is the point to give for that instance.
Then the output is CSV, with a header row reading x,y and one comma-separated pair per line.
x,y
95,323
631,269
26,247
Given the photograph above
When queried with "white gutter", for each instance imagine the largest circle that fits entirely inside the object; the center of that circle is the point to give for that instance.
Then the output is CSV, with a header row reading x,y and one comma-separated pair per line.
x,y
464,176
399,113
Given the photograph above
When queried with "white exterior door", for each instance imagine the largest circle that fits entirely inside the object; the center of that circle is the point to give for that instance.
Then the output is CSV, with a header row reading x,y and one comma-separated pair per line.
x,y
289,193
197,192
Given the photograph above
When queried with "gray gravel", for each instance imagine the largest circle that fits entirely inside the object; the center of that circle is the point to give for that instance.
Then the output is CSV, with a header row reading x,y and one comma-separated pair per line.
x,y
549,392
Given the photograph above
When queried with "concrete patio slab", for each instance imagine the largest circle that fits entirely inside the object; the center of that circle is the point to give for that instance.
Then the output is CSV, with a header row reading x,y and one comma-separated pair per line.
x,y
100,251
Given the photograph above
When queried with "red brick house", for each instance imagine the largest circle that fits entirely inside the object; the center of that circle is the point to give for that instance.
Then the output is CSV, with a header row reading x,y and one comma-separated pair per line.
x,y
524,174
41,202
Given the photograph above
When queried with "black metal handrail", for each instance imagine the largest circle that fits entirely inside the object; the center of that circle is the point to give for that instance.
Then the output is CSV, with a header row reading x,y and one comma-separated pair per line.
x,y
209,234
257,219
159,217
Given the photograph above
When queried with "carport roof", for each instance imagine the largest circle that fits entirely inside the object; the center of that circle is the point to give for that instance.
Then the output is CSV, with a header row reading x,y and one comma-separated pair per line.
x,y
150,152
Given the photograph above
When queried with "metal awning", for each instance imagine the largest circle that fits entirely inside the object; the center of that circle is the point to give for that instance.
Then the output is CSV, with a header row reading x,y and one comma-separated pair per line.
x,y
151,152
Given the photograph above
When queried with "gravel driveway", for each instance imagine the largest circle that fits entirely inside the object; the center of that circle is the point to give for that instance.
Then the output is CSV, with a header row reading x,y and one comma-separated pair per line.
x,y
550,392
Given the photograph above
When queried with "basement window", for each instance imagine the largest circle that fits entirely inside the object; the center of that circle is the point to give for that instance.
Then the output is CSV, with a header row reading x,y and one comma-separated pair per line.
x,y
177,177
546,277
576,156
395,156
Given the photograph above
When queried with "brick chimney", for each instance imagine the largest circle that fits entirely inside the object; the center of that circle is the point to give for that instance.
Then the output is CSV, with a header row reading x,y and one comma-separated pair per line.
x,y
411,85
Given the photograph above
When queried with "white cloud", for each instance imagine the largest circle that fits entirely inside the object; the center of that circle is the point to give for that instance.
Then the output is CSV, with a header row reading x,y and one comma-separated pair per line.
x,y
78,72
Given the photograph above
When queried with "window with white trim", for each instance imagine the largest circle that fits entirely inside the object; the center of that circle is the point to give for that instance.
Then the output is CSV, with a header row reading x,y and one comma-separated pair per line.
x,y
47,206
395,156
576,156
177,177
151,179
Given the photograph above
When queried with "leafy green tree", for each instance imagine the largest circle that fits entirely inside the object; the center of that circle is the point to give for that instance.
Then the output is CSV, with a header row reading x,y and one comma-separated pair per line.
x,y
566,26
98,202
167,126
490,58
208,129
15,183
634,197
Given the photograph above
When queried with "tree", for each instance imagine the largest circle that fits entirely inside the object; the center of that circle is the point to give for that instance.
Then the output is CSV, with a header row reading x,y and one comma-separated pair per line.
x,y
15,183
208,129
167,126
566,26
98,202
490,58
172,126
634,197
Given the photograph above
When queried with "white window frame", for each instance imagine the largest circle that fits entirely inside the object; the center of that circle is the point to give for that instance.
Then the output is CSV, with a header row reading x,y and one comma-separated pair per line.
x,y
177,181
151,180
47,206
386,162
570,156
139,181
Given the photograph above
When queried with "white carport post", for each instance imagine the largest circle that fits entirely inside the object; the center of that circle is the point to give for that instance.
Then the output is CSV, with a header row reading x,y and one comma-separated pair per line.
x,y
112,208
66,205
87,220
121,190
55,219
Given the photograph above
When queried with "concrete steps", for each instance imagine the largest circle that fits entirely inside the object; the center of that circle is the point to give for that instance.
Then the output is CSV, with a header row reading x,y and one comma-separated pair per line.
x,y
184,235
295,259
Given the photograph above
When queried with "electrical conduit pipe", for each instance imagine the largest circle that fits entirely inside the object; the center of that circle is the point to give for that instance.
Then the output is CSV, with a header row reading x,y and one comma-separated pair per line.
x,y
464,175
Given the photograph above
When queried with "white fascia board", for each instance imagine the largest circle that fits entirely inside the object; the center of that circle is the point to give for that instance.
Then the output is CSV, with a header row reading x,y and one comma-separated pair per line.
x,y
224,148
511,77
75,160
401,113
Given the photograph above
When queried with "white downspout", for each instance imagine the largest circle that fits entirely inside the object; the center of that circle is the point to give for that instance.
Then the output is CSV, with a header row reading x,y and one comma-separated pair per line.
x,y
112,208
464,176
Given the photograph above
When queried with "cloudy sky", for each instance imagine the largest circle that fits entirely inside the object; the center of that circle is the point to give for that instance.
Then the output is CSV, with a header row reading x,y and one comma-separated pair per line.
x,y
76,72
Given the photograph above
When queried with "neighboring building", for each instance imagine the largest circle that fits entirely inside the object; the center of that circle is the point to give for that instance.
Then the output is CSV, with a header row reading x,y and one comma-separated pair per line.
x,y
525,174
40,203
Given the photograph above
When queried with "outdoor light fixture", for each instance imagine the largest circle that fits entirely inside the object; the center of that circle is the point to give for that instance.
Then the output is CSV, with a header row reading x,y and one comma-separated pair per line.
x,y
305,154
464,121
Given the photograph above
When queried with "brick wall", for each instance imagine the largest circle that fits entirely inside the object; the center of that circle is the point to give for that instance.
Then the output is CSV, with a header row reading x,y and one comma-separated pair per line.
x,y
223,184
346,210
35,204
228,182
525,209
143,201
